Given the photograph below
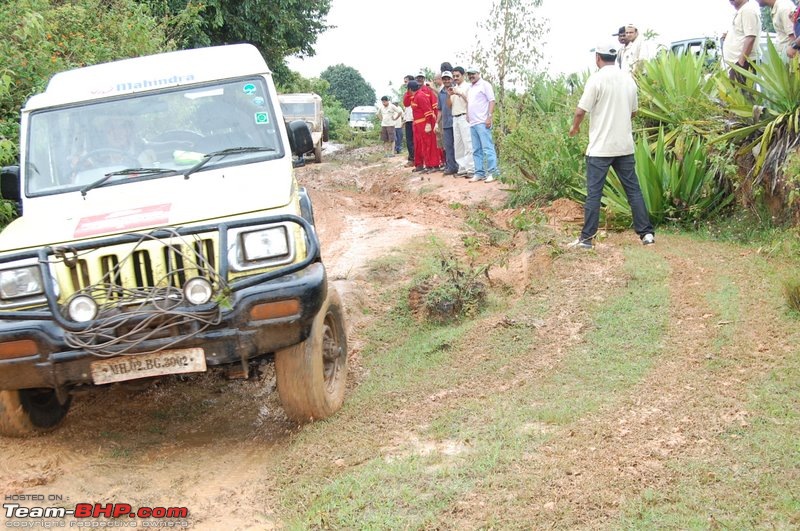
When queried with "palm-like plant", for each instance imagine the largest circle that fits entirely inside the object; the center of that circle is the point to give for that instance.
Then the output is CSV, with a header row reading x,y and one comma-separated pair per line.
x,y
675,95
770,100
675,189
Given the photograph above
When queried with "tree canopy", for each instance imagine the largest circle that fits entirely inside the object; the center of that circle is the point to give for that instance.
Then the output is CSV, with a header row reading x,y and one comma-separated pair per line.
x,y
42,37
348,86
278,28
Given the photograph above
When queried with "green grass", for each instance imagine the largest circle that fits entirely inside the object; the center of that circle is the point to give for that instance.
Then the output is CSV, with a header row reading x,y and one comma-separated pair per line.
x,y
725,300
428,189
386,268
385,495
750,478
791,293
752,230
751,481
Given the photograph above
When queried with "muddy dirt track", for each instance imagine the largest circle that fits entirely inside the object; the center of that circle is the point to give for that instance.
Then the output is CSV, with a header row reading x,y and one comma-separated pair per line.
x,y
196,441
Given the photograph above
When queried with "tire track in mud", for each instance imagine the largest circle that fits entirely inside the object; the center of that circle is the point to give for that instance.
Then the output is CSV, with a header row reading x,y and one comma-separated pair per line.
x,y
590,470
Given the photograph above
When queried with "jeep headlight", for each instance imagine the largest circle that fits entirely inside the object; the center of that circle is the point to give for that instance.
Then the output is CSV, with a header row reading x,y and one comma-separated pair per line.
x,y
82,309
20,282
265,244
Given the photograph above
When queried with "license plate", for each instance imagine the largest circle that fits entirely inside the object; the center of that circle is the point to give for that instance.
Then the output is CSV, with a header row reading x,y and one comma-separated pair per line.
x,y
122,368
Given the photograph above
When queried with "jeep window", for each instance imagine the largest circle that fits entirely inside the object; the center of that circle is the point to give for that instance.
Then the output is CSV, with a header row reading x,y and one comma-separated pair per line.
x,y
161,134
298,109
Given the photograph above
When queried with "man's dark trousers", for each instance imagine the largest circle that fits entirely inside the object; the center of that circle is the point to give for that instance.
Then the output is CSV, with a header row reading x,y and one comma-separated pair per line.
x,y
596,172
410,140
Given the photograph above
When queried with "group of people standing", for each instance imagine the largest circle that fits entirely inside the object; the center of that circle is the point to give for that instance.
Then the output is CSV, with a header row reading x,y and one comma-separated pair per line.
x,y
610,98
448,124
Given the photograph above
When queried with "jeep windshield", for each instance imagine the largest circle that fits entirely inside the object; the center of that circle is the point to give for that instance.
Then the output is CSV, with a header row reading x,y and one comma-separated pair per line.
x,y
358,116
150,136
299,109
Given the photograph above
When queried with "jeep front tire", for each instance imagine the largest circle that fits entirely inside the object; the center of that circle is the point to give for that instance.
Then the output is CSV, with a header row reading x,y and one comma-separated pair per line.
x,y
27,412
312,375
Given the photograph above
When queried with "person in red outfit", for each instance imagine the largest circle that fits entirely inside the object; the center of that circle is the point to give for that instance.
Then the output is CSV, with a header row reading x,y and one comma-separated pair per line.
x,y
426,154
425,86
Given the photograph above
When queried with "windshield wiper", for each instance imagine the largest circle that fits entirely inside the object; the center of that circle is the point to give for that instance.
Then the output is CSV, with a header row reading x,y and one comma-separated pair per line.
x,y
126,171
224,153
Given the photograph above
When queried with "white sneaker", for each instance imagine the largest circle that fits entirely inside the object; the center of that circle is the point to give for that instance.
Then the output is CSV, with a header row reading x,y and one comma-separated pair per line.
x,y
489,179
477,178
648,239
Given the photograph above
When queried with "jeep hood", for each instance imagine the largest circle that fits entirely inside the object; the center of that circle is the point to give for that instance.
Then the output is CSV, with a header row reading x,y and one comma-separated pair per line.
x,y
136,207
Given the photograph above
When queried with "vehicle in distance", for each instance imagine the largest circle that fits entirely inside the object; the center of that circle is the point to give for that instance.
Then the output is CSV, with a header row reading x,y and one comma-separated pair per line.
x,y
362,117
308,108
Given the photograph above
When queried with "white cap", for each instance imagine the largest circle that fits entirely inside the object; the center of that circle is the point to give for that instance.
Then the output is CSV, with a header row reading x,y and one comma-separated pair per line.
x,y
447,73
606,49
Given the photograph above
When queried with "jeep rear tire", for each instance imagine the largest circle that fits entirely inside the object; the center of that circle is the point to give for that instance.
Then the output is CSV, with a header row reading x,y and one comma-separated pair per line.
x,y
325,129
27,412
312,375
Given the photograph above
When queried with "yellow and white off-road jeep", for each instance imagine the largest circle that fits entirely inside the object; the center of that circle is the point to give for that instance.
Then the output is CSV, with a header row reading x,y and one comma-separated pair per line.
x,y
162,232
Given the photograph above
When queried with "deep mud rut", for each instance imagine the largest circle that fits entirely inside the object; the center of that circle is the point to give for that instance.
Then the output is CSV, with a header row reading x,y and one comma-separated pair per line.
x,y
204,442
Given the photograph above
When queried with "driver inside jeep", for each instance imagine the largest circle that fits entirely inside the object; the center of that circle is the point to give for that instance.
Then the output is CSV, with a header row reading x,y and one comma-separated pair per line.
x,y
115,145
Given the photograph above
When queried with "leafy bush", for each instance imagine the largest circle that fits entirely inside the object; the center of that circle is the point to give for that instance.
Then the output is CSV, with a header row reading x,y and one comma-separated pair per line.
x,y
42,37
541,162
767,108
7,212
450,290
684,190
8,131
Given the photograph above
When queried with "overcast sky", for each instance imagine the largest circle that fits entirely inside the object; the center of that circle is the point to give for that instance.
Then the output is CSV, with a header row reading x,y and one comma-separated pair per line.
x,y
384,40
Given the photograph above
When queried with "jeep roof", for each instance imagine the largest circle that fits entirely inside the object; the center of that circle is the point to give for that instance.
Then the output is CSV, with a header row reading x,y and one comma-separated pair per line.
x,y
146,73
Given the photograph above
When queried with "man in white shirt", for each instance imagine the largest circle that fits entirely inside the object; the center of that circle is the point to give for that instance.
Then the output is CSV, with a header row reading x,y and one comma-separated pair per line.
x,y
389,113
480,114
610,98
462,138
781,11
634,52
740,44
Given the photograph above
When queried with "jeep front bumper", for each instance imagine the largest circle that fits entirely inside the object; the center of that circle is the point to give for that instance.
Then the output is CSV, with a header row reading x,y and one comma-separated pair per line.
x,y
259,314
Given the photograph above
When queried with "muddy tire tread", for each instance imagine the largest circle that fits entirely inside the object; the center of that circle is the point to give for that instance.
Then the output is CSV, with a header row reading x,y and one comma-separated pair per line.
x,y
299,369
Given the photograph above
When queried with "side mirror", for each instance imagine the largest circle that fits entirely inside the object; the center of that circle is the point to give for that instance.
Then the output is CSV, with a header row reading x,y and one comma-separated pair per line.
x,y
9,183
10,186
299,137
